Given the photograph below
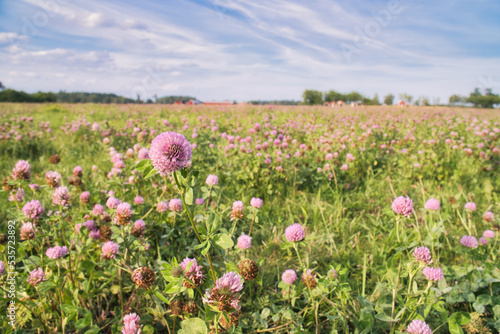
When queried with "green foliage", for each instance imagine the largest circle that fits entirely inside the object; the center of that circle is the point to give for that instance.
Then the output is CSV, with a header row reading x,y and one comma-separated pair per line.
x,y
389,100
486,100
10,95
173,99
312,97
349,225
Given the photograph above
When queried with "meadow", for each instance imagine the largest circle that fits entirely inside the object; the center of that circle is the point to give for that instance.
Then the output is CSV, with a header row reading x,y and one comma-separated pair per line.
x,y
259,220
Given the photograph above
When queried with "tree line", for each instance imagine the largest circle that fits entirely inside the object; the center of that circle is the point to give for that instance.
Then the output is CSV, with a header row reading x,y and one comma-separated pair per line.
x,y
476,98
11,95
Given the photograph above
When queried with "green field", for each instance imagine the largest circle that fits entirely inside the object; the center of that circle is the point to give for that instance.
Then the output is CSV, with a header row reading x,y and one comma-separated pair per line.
x,y
304,176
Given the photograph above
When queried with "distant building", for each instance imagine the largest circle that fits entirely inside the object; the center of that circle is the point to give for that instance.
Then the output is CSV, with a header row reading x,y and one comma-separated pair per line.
x,y
192,102
402,104
178,102
340,103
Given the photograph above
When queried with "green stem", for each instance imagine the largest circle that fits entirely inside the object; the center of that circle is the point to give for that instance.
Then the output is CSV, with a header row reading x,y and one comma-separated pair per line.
x,y
192,224
251,225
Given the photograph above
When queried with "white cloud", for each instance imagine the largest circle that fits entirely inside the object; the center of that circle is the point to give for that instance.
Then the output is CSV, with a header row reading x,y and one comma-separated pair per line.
x,y
9,38
238,49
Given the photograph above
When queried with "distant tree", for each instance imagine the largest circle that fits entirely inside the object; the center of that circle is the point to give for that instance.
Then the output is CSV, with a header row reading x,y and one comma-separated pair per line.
x,y
332,96
353,97
488,100
2,87
371,102
172,99
312,97
456,99
406,98
389,100
425,101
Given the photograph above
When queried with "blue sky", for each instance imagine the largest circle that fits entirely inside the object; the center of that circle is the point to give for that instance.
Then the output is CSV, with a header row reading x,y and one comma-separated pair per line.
x,y
251,49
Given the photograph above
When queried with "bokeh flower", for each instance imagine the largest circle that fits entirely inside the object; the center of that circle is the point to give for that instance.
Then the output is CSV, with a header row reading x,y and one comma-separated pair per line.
x,y
162,206
403,206
294,232
422,254
433,274
61,196
22,170
432,204
489,234
56,252
36,276
84,197
28,231
212,180
175,205
131,324
256,202
289,276
469,241
470,206
109,250
244,242
488,216
33,209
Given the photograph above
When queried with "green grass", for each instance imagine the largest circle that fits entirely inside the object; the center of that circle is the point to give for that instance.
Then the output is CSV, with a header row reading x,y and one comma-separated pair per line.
x,y
347,216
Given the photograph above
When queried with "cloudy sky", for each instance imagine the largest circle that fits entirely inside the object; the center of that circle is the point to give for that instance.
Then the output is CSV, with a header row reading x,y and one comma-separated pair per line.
x,y
250,49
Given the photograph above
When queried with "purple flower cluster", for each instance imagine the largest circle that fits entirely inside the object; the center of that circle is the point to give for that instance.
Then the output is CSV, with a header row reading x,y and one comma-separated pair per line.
x,y
175,205
170,152
61,196
53,179
131,324
28,231
488,216
422,254
470,206
256,202
56,252
33,209
162,206
84,197
294,232
403,206
230,281
22,170
244,242
36,276
289,276
97,210
418,327
109,250
432,204
17,196
433,274
123,214
469,241
113,203
194,273
212,180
